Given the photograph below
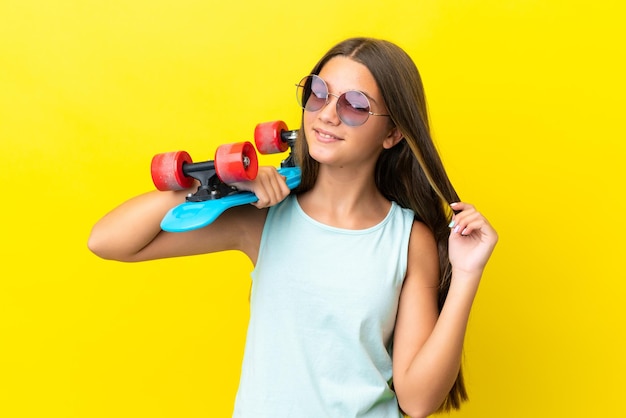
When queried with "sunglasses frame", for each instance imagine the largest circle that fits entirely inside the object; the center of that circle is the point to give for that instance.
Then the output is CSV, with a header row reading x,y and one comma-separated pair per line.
x,y
302,85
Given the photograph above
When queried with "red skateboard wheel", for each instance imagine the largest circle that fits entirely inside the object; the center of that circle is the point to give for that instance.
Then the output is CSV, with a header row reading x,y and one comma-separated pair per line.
x,y
236,162
267,137
167,171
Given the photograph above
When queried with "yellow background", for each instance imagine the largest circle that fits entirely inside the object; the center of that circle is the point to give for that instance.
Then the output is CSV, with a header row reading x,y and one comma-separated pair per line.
x,y
527,106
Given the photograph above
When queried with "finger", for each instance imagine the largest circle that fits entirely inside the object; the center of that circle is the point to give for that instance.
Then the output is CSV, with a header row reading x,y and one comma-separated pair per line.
x,y
270,189
478,226
460,206
261,193
461,213
474,225
466,220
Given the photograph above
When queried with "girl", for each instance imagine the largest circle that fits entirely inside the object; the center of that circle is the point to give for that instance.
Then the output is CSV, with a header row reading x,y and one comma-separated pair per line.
x,y
365,275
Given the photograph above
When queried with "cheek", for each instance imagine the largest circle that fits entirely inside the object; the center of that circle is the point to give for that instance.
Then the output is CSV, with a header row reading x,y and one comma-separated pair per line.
x,y
307,122
307,119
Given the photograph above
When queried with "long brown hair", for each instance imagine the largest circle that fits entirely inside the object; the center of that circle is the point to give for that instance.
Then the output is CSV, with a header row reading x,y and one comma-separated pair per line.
x,y
410,173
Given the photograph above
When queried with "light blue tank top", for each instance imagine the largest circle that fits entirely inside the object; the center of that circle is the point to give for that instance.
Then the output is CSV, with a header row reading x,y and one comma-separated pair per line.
x,y
323,308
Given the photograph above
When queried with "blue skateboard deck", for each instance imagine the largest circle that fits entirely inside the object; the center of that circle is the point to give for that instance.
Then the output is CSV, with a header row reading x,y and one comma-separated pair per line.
x,y
194,215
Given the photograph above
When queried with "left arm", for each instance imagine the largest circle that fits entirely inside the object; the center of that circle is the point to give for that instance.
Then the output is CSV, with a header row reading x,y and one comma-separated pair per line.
x,y
427,344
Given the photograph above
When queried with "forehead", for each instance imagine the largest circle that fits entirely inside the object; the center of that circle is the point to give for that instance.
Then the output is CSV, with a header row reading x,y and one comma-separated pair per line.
x,y
342,74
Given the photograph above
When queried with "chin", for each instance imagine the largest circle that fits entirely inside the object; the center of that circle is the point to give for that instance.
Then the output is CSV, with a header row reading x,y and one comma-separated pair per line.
x,y
319,155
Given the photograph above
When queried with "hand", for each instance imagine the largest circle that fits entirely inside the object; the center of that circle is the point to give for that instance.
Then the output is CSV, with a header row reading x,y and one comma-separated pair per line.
x,y
268,186
472,239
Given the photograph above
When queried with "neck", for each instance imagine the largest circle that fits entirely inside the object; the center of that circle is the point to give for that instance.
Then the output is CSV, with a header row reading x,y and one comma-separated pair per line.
x,y
345,198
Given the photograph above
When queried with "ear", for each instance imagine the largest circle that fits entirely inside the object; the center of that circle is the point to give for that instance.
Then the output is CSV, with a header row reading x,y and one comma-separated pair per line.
x,y
393,137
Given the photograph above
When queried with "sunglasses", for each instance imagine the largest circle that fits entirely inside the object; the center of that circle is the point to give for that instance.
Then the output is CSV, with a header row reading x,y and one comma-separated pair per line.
x,y
353,106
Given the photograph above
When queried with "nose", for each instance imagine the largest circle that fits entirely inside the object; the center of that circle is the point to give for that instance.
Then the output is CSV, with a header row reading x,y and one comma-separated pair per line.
x,y
328,113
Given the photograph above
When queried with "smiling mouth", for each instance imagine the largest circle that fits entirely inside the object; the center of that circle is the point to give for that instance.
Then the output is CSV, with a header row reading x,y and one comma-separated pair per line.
x,y
326,135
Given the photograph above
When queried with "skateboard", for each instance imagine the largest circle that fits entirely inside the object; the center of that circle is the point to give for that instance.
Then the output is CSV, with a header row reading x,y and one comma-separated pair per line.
x,y
232,163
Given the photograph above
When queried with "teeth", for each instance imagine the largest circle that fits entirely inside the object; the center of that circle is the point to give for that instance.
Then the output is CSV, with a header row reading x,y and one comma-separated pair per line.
x,y
326,136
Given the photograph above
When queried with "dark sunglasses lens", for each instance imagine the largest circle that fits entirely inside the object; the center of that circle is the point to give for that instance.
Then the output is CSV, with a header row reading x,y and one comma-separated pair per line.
x,y
353,108
311,93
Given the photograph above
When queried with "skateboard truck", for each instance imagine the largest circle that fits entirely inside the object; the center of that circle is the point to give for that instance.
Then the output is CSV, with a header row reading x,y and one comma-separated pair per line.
x,y
233,162
289,137
211,186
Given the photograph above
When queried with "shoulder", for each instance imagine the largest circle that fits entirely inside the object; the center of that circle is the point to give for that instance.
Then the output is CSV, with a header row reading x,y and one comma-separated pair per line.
x,y
422,244
422,260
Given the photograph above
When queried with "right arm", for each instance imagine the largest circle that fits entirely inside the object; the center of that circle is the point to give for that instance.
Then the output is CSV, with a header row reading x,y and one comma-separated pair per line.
x,y
131,232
